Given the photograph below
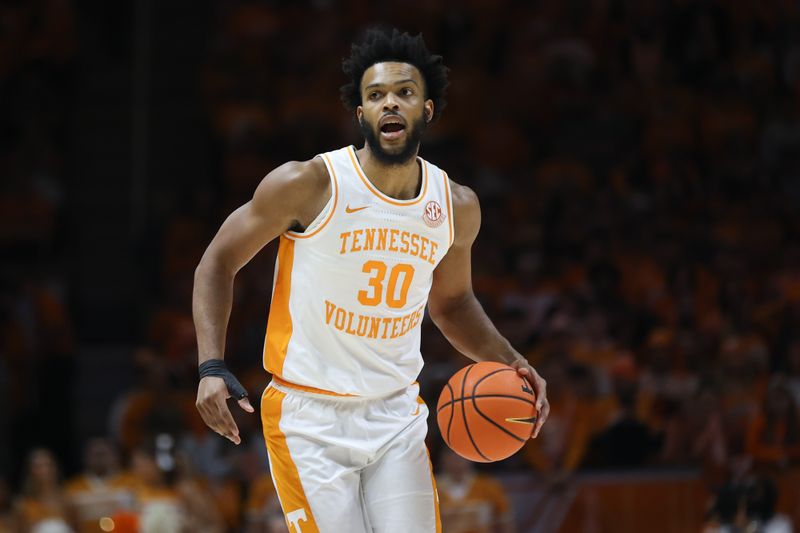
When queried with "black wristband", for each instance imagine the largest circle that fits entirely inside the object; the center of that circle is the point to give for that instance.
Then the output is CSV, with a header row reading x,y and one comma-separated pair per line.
x,y
218,368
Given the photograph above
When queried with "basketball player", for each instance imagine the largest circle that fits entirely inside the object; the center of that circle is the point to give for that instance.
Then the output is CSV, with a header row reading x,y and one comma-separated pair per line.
x,y
368,238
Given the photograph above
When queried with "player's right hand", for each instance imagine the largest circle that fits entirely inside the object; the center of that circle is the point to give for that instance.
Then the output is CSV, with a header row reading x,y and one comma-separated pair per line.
x,y
212,396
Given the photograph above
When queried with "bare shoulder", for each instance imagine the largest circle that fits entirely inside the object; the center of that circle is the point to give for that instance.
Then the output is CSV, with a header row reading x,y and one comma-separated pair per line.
x,y
298,177
466,213
300,186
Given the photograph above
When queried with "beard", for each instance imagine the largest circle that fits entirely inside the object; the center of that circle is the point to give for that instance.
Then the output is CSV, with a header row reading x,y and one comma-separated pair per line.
x,y
408,151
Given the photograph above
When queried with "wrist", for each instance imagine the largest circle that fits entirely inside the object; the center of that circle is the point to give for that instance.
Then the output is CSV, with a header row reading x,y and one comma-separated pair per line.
x,y
218,368
211,367
205,360
509,355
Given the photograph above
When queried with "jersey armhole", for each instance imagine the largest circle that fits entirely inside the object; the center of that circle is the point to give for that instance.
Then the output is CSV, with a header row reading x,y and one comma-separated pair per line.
x,y
449,199
325,216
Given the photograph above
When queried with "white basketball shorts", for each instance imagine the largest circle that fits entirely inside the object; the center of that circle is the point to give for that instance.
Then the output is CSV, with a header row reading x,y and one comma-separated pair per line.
x,y
350,464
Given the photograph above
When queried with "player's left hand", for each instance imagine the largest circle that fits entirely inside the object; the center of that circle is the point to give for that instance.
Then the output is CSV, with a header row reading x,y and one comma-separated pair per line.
x,y
539,388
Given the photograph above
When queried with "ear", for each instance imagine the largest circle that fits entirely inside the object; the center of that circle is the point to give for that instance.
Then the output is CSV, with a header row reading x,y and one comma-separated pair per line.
x,y
359,113
428,110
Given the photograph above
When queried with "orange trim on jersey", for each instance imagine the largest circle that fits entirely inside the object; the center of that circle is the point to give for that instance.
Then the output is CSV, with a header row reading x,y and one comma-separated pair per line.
x,y
335,194
374,190
451,222
284,471
435,494
306,388
420,401
279,323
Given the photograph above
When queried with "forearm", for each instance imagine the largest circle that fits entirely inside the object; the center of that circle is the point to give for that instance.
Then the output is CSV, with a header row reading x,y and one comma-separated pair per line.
x,y
212,299
469,329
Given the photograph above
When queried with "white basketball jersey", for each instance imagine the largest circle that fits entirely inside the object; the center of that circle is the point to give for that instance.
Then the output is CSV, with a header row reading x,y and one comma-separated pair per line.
x,y
350,292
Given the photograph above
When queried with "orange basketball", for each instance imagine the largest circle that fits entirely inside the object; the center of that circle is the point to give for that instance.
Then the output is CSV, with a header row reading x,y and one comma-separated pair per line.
x,y
486,412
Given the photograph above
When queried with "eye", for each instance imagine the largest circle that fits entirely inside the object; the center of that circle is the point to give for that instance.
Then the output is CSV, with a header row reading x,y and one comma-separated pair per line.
x,y
373,95
406,91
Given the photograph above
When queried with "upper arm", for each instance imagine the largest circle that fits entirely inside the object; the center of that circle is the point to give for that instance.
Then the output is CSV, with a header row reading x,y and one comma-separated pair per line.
x,y
452,279
293,193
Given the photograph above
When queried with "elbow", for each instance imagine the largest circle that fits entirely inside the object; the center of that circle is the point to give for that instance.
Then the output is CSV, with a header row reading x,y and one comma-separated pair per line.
x,y
442,310
434,312
437,311
205,266
211,265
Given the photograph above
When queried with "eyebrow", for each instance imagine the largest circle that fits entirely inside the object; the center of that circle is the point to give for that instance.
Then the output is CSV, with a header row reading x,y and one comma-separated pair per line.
x,y
400,82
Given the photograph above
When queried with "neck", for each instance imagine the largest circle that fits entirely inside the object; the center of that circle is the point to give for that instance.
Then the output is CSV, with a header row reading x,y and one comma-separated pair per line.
x,y
398,181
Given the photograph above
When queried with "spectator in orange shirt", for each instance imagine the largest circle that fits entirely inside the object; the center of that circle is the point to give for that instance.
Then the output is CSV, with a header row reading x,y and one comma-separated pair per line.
x,y
168,498
101,490
773,436
471,502
42,502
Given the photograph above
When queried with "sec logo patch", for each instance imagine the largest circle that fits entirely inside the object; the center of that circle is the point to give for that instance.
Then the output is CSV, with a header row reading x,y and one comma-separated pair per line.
x,y
433,215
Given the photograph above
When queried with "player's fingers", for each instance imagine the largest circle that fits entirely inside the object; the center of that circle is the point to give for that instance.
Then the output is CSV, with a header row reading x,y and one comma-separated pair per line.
x,y
207,414
210,393
541,418
524,370
244,403
225,422
540,388
229,427
213,415
519,364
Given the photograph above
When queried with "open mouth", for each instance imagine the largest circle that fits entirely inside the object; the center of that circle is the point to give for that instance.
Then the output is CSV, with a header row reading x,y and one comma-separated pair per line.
x,y
392,130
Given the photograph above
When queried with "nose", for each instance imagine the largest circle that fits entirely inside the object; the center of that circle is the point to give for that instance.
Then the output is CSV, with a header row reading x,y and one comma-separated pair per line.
x,y
390,102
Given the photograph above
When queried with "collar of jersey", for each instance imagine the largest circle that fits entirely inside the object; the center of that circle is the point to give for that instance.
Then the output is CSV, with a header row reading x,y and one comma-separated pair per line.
x,y
388,199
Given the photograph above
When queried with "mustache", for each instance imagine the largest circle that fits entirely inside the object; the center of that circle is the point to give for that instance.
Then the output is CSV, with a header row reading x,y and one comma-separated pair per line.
x,y
389,114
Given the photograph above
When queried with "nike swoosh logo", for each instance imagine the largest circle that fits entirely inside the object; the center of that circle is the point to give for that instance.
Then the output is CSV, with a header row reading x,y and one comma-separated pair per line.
x,y
530,420
348,209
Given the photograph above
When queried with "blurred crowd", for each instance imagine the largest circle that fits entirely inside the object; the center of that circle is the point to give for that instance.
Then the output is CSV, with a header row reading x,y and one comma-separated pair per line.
x,y
638,166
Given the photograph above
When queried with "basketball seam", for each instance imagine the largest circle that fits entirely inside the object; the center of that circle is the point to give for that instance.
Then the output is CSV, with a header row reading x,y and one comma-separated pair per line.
x,y
492,373
452,411
498,426
475,404
464,414
451,402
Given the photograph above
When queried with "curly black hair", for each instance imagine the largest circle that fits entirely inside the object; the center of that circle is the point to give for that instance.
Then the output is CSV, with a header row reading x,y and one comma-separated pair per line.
x,y
379,46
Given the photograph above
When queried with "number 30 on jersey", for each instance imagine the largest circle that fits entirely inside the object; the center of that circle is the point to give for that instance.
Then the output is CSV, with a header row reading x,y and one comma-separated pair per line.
x,y
374,294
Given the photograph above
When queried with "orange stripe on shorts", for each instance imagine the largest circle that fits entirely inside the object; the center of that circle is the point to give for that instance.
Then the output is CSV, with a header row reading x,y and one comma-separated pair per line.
x,y
296,509
435,494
